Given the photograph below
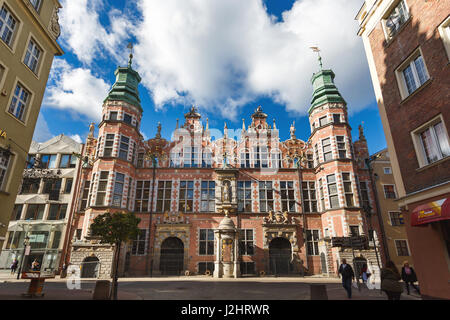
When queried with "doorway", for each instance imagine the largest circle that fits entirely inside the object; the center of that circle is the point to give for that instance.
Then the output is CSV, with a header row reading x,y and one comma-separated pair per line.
x,y
89,267
280,256
172,256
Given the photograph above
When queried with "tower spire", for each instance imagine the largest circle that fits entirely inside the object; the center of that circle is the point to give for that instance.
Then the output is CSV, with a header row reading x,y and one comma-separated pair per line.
x,y
130,61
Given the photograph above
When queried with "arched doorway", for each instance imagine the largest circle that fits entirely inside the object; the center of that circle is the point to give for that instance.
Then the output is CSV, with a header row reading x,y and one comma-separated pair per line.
x,y
89,267
172,256
280,256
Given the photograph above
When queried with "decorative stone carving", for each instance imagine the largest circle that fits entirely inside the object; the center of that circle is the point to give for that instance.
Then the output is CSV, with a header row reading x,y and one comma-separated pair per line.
x,y
54,27
172,218
278,218
227,193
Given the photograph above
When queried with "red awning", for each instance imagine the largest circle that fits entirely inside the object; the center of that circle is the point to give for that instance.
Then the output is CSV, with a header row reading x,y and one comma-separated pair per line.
x,y
431,212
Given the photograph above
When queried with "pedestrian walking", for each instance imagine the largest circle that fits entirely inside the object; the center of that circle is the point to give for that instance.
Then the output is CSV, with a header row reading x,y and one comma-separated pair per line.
x,y
14,265
347,274
364,273
409,277
390,281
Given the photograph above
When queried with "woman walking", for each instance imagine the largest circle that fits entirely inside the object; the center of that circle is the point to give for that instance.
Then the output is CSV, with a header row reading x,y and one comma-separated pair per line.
x,y
390,281
409,277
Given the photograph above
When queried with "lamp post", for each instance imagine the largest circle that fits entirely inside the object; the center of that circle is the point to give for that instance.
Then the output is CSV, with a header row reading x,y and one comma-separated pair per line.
x,y
296,158
26,242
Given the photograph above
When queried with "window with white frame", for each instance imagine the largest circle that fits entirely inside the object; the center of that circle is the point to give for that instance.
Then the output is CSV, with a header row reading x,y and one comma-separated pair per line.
x,y
85,195
19,102
396,218
389,191
316,154
36,4
191,157
412,74
336,117
402,248
265,196
8,26
342,151
32,56
244,196
101,190
113,115
127,118
140,160
276,158
139,244
348,190
395,19
207,158
208,196
118,190
312,242
206,242
444,30
123,147
245,159
432,142
2,72
309,196
164,196
141,203
326,148
333,191
323,121
5,157
321,194
109,143
186,198
48,161
68,161
246,245
287,196
364,189
310,160
387,170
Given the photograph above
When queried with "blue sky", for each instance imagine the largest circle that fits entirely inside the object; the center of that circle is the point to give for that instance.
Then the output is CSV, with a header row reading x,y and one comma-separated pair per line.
x,y
226,57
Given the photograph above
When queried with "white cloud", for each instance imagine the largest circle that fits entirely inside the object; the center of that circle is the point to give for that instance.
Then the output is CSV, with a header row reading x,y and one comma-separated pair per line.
x,y
76,137
82,31
76,90
42,132
223,54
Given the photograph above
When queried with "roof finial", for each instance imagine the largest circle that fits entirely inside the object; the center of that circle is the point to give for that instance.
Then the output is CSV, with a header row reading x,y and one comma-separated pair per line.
x,y
130,61
316,49
274,124
243,124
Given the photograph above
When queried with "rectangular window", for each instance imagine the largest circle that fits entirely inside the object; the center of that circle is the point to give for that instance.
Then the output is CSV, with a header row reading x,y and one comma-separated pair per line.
x,y
342,152
17,212
316,154
142,196
205,266
415,74
206,242
321,194
245,160
354,231
387,170
140,160
101,190
389,191
85,195
52,186
336,118
310,159
207,159
4,164
56,239
127,118
364,194
68,185
38,239
68,161
323,121
19,102
402,248
246,245
312,242
265,196
309,196
326,148
35,212
8,26
348,189
113,115
164,196
32,56
118,190
396,218
186,200
36,4
48,161
57,212
139,243
332,191
30,185
434,143
244,196
15,240
208,196
109,143
397,18
124,145
287,196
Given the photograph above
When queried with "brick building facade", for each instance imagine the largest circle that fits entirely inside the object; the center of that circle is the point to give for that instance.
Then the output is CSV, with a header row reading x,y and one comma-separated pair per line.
x,y
266,205
407,43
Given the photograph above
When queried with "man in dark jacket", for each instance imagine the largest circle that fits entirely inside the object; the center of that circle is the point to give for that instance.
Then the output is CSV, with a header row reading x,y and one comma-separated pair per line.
x,y
409,277
347,274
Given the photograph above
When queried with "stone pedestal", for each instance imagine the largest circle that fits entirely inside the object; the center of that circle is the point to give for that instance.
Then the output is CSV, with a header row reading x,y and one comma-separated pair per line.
x,y
226,236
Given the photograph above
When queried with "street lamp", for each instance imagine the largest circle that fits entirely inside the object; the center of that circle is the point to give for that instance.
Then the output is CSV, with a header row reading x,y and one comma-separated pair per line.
x,y
297,160
26,242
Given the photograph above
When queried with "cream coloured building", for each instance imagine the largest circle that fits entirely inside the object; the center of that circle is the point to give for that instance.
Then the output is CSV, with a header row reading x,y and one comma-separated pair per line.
x,y
28,33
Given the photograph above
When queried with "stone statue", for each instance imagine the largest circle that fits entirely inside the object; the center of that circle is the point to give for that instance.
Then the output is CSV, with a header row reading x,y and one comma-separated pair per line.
x,y
91,129
158,134
226,191
292,130
286,217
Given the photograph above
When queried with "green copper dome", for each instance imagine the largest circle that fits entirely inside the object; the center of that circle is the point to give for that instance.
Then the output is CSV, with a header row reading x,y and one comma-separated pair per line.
x,y
126,86
325,90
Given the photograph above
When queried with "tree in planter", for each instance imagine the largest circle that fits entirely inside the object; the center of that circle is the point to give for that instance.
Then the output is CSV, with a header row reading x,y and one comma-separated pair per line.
x,y
115,228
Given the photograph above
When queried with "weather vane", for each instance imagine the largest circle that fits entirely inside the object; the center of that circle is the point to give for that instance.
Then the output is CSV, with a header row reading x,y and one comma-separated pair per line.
x,y
316,49
130,46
